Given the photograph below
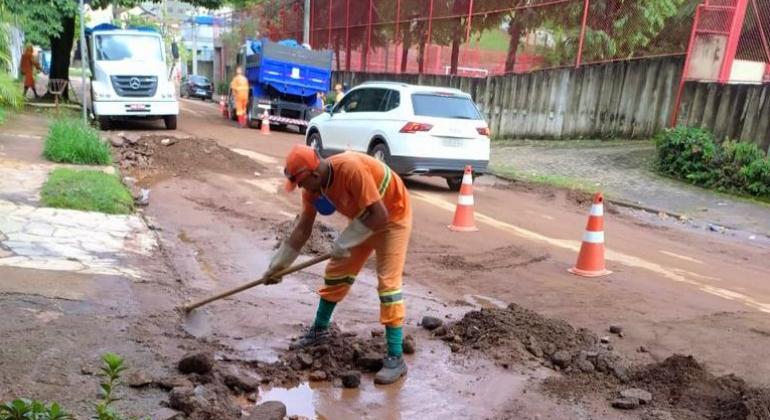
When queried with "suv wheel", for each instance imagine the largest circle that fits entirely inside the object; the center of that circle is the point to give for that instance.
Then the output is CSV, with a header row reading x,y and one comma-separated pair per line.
x,y
454,183
381,152
315,142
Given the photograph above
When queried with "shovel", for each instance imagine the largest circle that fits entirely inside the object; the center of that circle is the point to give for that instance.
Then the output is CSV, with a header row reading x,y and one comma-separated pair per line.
x,y
313,261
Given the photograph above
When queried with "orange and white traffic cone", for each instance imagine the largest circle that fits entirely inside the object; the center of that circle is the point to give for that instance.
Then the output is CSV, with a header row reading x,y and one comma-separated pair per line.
x,y
590,262
265,129
242,121
463,221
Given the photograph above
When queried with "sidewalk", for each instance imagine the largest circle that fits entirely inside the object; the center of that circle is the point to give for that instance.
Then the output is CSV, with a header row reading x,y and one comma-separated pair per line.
x,y
622,170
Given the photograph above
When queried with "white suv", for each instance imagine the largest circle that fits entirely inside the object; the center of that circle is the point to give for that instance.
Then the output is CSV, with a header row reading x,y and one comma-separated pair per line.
x,y
416,130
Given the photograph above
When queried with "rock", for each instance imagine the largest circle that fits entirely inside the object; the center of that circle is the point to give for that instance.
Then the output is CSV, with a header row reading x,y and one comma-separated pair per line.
x,y
605,340
454,348
620,372
197,362
549,349
377,333
165,414
657,415
643,396
621,335
616,329
138,378
561,359
625,403
370,362
430,323
167,142
317,375
87,370
457,339
440,331
171,382
116,141
237,380
534,348
409,345
351,379
144,199
270,410
642,349
184,400
585,366
305,359
131,138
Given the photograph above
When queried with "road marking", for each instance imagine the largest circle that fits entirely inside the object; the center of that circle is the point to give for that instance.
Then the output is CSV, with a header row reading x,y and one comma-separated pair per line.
x,y
619,257
23,136
259,157
681,257
192,112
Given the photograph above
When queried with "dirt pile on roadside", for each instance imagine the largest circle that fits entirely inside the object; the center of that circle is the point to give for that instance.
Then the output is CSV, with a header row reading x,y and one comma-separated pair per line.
x,y
320,240
329,361
152,157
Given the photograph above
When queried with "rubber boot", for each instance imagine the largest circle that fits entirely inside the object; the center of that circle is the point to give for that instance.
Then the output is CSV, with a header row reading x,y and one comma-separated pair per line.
x,y
393,368
315,335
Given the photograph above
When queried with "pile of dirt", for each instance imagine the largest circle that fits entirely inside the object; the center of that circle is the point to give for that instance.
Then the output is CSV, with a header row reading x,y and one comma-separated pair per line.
x,y
149,158
499,258
514,334
331,360
678,385
320,240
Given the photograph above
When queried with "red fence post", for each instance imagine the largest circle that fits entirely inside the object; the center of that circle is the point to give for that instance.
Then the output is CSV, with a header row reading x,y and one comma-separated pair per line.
x,y
468,23
736,26
329,41
685,67
368,37
427,43
398,23
347,36
579,58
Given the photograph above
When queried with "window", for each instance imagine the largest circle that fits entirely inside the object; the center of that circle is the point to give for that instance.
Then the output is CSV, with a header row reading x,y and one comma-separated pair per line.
x,y
393,101
373,100
349,102
444,106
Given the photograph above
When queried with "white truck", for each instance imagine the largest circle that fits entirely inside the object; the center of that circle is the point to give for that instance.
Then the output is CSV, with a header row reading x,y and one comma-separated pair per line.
x,y
129,76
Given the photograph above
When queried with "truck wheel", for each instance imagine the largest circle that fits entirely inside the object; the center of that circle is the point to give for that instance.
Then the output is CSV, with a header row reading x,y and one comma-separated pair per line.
x,y
104,123
454,183
170,121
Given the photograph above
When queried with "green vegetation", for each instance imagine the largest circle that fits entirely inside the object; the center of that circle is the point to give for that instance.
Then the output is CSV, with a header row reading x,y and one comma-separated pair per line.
x,y
491,40
70,141
78,71
692,154
10,90
87,190
558,181
24,409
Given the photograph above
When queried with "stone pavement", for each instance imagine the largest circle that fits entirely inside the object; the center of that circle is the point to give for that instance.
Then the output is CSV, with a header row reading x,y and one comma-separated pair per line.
x,y
623,170
57,239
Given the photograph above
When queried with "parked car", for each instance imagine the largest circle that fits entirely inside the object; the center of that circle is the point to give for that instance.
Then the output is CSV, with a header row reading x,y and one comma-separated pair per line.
x,y
416,130
197,87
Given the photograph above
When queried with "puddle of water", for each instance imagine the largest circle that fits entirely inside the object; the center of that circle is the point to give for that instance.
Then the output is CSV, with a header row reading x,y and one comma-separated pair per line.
x,y
300,400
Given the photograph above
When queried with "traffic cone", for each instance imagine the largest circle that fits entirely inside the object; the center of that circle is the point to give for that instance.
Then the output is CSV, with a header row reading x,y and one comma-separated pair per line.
x,y
223,108
463,221
242,121
265,129
590,262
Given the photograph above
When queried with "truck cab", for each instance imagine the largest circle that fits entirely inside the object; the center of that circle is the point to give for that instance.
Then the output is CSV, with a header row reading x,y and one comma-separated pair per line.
x,y
129,76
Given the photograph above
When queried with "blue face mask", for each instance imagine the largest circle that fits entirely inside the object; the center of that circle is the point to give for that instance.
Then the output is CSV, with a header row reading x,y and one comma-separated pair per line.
x,y
324,206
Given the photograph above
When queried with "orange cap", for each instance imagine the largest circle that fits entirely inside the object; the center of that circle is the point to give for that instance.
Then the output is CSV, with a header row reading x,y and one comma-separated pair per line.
x,y
300,162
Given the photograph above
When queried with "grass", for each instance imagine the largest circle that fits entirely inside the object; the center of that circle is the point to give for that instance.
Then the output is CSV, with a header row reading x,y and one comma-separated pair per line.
x,y
558,181
492,40
87,190
2,115
70,141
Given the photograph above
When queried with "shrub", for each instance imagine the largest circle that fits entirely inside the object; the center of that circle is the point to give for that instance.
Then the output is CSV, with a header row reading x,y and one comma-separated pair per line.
x,y
70,141
692,154
86,190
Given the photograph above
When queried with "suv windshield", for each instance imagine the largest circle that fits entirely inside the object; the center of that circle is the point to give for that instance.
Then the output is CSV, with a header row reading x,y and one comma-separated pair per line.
x,y
128,47
444,106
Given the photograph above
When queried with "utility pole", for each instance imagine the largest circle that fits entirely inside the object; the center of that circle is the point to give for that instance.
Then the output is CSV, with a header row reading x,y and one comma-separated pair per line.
x,y
83,55
306,24
194,47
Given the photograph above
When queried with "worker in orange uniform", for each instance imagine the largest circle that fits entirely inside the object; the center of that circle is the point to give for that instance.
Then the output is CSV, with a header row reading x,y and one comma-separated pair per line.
x,y
28,65
376,202
240,90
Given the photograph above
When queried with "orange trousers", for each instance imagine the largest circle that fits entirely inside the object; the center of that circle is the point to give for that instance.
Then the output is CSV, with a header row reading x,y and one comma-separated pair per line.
x,y
241,101
389,246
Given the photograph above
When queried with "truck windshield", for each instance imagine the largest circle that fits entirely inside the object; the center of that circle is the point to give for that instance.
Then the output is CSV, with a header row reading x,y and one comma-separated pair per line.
x,y
128,47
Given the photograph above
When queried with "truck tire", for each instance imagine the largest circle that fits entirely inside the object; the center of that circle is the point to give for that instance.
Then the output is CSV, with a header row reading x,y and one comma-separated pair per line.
x,y
104,123
170,121
454,183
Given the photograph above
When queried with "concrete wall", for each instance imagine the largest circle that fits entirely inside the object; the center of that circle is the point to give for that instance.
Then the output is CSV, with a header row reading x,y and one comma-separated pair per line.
x,y
730,111
628,99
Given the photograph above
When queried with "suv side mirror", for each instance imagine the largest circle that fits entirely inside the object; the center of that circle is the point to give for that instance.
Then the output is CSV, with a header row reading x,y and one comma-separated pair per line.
x,y
329,108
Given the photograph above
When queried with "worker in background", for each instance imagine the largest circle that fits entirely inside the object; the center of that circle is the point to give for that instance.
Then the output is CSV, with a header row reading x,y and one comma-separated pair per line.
x,y
339,92
376,202
240,92
28,65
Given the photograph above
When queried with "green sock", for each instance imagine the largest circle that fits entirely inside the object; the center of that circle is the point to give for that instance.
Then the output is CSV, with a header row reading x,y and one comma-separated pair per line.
x,y
395,339
324,314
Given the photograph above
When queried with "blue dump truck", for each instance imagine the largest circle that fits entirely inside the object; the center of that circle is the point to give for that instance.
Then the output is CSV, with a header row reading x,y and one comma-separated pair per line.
x,y
285,79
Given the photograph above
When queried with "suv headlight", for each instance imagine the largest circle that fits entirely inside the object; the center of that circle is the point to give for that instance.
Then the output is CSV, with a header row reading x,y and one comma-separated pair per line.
x,y
101,91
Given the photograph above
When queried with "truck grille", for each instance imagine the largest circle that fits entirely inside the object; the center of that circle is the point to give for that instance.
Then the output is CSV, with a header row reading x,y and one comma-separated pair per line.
x,y
135,86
